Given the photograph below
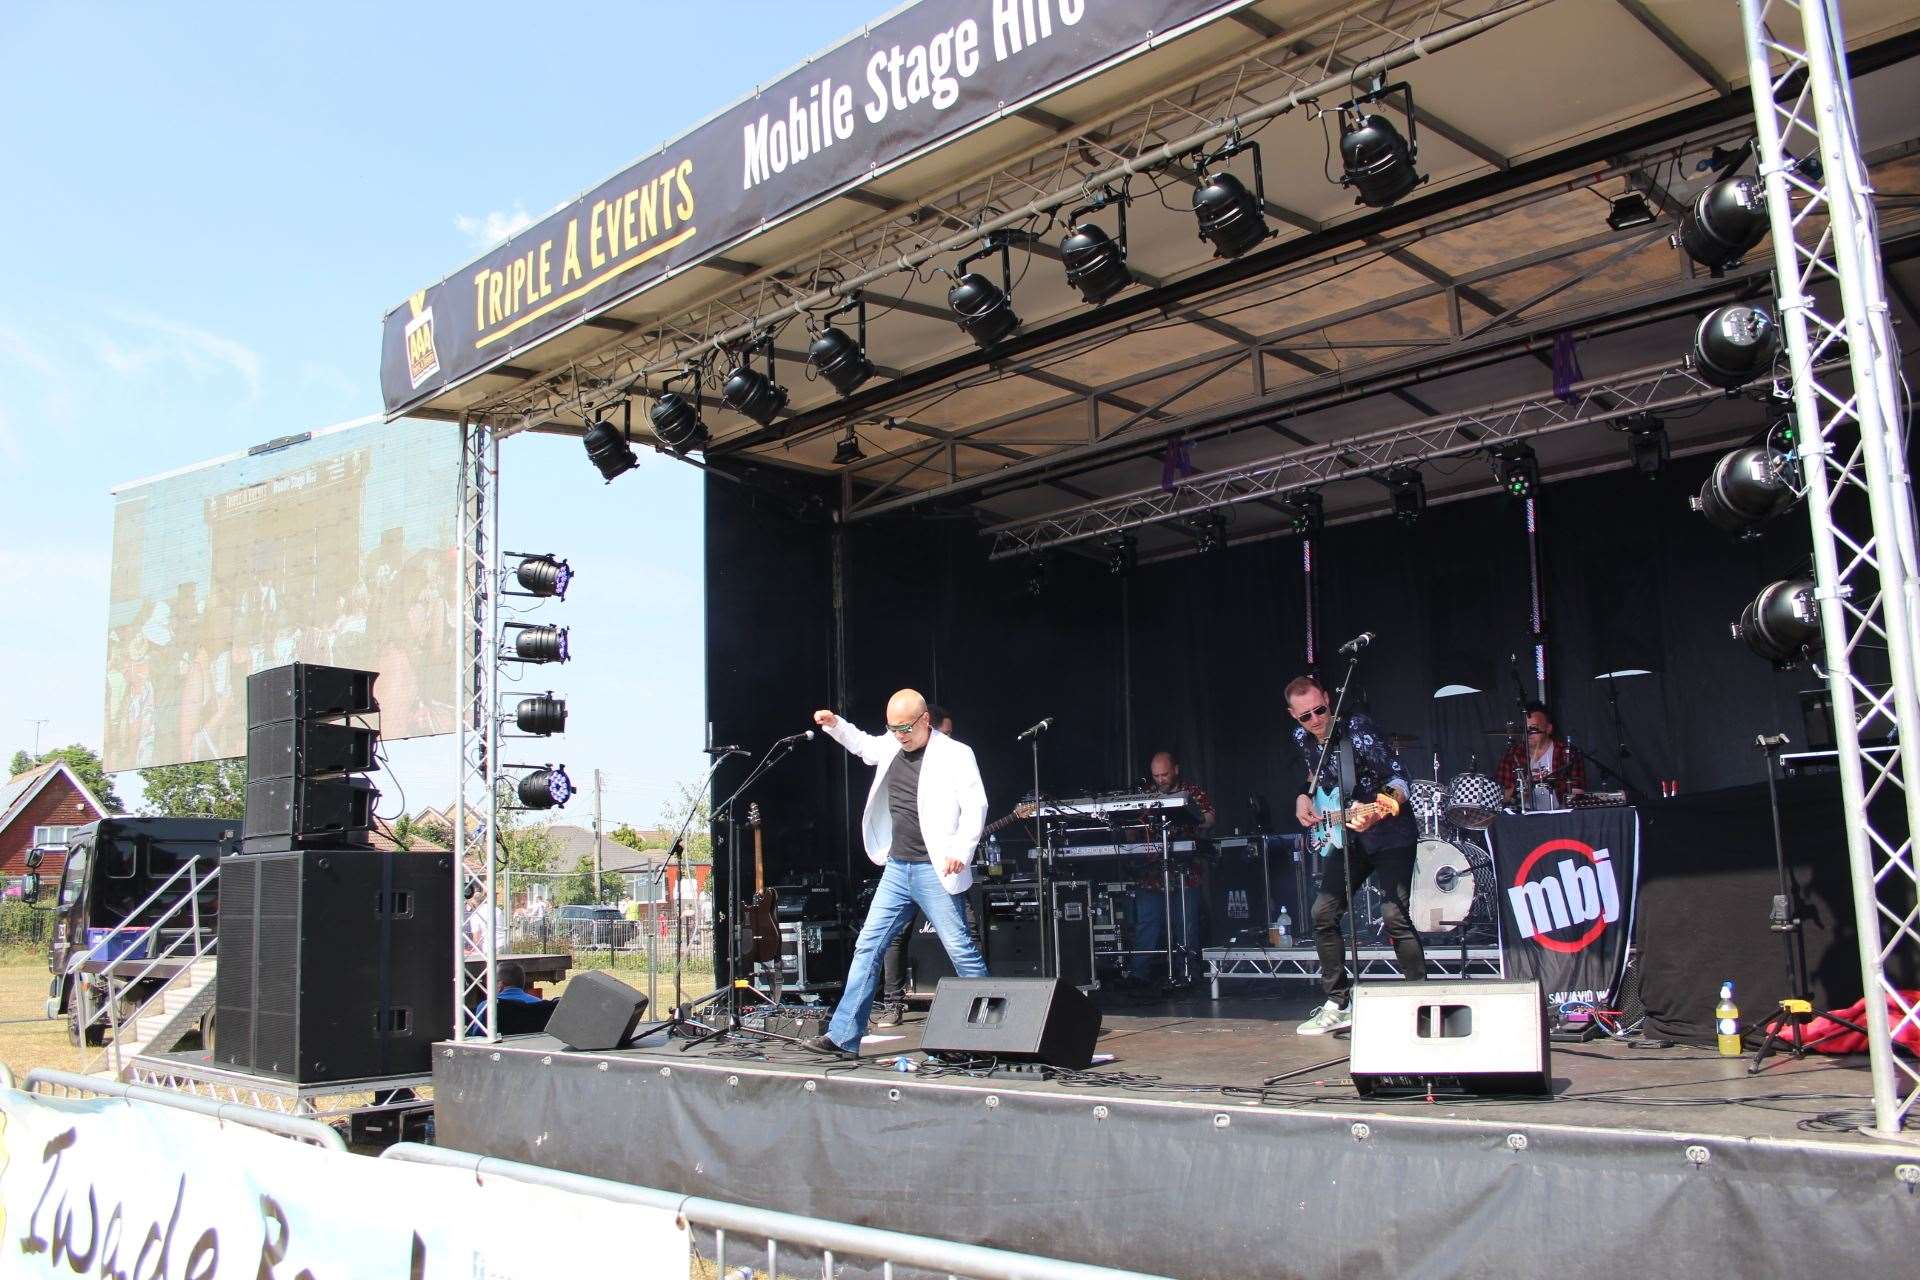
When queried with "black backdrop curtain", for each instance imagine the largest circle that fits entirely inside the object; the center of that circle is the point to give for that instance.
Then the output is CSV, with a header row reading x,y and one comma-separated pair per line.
x,y
1190,654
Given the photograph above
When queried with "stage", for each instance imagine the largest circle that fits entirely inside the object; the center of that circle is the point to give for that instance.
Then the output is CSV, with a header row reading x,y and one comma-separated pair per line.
x,y
1172,1158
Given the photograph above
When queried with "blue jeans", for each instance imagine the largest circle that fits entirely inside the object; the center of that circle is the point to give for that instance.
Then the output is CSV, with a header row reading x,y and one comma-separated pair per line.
x,y
1150,931
903,886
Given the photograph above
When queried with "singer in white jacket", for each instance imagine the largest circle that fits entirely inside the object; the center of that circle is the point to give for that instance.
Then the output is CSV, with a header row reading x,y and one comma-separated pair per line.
x,y
924,812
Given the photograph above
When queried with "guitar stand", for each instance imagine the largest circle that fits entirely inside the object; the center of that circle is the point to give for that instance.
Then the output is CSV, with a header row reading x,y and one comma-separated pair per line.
x,y
732,995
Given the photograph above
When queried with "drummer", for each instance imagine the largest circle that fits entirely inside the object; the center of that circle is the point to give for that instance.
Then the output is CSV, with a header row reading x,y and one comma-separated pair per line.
x,y
1554,771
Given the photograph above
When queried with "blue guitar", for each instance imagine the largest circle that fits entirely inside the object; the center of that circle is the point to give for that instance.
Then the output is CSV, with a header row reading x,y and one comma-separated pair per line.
x,y
1328,834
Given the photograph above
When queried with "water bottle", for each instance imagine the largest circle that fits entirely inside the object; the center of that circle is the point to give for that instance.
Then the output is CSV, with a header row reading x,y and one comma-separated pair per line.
x,y
1726,1022
993,850
1283,927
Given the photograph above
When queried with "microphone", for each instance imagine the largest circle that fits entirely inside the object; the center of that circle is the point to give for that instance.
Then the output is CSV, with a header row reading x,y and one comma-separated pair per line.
x,y
1358,643
806,735
1035,730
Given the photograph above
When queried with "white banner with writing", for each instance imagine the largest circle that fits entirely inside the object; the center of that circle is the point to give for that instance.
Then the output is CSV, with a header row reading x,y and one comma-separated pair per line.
x,y
110,1188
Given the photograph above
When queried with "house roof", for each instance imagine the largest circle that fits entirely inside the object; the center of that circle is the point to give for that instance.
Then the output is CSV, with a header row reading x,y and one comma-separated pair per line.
x,y
23,787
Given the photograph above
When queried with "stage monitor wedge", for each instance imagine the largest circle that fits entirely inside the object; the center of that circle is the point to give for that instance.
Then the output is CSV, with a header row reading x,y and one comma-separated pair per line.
x,y
597,1012
1017,1019
1411,1038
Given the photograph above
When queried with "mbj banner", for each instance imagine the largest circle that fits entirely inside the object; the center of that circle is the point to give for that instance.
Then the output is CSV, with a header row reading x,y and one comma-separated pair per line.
x,y
880,97
106,1187
1566,884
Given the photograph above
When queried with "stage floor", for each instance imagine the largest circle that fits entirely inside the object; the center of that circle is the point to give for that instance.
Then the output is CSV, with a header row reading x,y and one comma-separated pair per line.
x,y
1173,1158
1191,1048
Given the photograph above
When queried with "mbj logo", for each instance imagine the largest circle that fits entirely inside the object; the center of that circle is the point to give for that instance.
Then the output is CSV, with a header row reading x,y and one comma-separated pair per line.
x,y
1579,889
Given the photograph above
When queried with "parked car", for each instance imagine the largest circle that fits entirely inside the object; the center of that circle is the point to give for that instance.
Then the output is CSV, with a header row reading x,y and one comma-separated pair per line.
x,y
590,926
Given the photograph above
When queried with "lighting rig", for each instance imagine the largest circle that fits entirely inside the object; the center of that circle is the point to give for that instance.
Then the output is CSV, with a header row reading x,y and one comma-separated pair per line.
x,y
836,355
676,416
1096,263
1734,344
1517,469
982,309
1232,219
1409,491
610,448
1122,552
1306,513
1750,486
751,393
1647,443
1378,162
1782,624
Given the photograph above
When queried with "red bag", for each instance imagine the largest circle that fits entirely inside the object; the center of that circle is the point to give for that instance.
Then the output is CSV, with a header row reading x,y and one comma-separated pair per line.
x,y
1834,1038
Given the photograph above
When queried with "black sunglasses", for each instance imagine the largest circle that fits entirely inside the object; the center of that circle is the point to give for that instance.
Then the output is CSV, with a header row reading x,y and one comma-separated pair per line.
x,y
1307,715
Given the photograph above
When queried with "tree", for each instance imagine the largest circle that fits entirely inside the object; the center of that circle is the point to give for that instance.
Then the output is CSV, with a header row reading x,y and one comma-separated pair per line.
x,y
633,839
690,799
438,832
577,886
86,767
203,789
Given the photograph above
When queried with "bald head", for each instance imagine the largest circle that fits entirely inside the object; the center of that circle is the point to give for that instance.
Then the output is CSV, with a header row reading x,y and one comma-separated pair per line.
x,y
1165,771
907,719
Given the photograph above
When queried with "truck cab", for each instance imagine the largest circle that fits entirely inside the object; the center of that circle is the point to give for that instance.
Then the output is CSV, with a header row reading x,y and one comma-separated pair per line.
x,y
111,891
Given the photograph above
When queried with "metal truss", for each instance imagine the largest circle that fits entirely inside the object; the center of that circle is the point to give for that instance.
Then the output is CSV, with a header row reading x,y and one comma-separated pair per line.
x,y
1280,72
1859,494
1375,962
477,694
1654,389
316,1101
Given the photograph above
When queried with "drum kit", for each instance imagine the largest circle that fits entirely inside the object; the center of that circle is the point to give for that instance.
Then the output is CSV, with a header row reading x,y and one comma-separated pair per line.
x,y
1453,881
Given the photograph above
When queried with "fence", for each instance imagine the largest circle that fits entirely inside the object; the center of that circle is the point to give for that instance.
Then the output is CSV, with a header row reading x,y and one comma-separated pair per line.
x,y
24,926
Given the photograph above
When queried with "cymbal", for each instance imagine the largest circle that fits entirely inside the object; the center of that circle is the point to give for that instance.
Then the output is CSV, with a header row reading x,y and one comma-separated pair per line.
x,y
1399,740
1505,731
1625,673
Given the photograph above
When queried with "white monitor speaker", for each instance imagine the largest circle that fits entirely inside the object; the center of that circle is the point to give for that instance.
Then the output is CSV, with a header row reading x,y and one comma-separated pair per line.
x,y
1450,1037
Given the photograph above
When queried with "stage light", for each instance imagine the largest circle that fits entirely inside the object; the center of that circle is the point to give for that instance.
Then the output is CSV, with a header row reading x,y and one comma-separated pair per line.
x,y
1306,512
608,450
1378,162
542,714
1647,443
984,309
838,357
1123,553
1745,489
1629,211
1782,624
1734,345
1725,223
544,576
547,787
751,393
539,644
676,417
1409,490
1039,567
847,452
1096,264
1517,469
1229,215
1209,529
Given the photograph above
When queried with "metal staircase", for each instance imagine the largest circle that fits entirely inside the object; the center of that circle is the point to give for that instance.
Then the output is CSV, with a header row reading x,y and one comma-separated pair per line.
x,y
159,977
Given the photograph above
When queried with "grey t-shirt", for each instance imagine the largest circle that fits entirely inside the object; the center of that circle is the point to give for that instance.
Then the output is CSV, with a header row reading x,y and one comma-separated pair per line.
x,y
903,802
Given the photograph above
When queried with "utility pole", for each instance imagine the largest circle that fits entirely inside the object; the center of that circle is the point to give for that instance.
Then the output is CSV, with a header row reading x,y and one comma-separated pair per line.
x,y
597,863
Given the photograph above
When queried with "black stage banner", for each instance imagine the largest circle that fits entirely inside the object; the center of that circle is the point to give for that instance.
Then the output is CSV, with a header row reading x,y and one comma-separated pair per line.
x,y
1566,884
879,98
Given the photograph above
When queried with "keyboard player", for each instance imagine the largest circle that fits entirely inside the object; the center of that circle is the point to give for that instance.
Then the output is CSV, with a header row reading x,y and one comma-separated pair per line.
x,y
1155,891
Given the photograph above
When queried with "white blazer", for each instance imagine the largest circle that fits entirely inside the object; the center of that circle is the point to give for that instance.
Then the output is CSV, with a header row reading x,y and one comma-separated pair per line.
x,y
952,799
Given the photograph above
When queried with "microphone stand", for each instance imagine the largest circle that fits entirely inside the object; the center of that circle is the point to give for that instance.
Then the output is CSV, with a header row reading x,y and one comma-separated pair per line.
x,y
1334,730
1041,854
730,994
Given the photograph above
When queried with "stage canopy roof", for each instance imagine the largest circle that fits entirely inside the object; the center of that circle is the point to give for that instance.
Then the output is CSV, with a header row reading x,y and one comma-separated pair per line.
x,y
1353,341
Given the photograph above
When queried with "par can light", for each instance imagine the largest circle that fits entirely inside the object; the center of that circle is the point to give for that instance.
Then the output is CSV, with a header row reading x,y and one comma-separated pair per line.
x,y
1735,344
608,450
1229,215
676,421
1377,160
544,576
547,787
542,714
753,394
1782,624
1726,222
1745,489
1096,266
984,311
543,643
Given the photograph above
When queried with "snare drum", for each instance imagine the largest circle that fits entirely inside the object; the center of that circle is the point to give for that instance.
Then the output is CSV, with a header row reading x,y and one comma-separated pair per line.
x,y
1473,801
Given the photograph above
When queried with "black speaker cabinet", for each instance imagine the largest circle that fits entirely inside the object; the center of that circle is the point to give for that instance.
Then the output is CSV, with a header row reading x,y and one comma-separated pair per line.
x,y
305,748
1450,1037
308,691
596,1012
1020,1019
301,813
334,964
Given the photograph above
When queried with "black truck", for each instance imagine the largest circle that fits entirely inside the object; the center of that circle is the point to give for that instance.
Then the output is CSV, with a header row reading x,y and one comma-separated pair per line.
x,y
121,875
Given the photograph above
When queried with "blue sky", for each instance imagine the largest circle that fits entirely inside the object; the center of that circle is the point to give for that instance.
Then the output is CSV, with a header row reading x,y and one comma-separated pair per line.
x,y
204,211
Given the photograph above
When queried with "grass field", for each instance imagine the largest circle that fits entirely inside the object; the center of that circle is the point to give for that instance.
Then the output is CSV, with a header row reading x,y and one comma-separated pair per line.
x,y
29,1039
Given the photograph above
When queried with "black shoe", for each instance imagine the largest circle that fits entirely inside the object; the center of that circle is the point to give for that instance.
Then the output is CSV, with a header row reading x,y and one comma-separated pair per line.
x,y
893,1015
824,1044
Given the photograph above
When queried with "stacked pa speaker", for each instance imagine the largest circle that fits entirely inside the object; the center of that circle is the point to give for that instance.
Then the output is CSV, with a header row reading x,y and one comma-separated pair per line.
x,y
307,749
334,964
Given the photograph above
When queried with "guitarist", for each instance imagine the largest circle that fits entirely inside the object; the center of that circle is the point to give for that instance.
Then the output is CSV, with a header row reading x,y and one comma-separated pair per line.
x,y
925,809
1376,845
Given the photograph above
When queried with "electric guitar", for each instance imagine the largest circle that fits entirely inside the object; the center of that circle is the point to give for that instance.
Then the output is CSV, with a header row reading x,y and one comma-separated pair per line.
x,y
1328,834
1021,812
763,921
